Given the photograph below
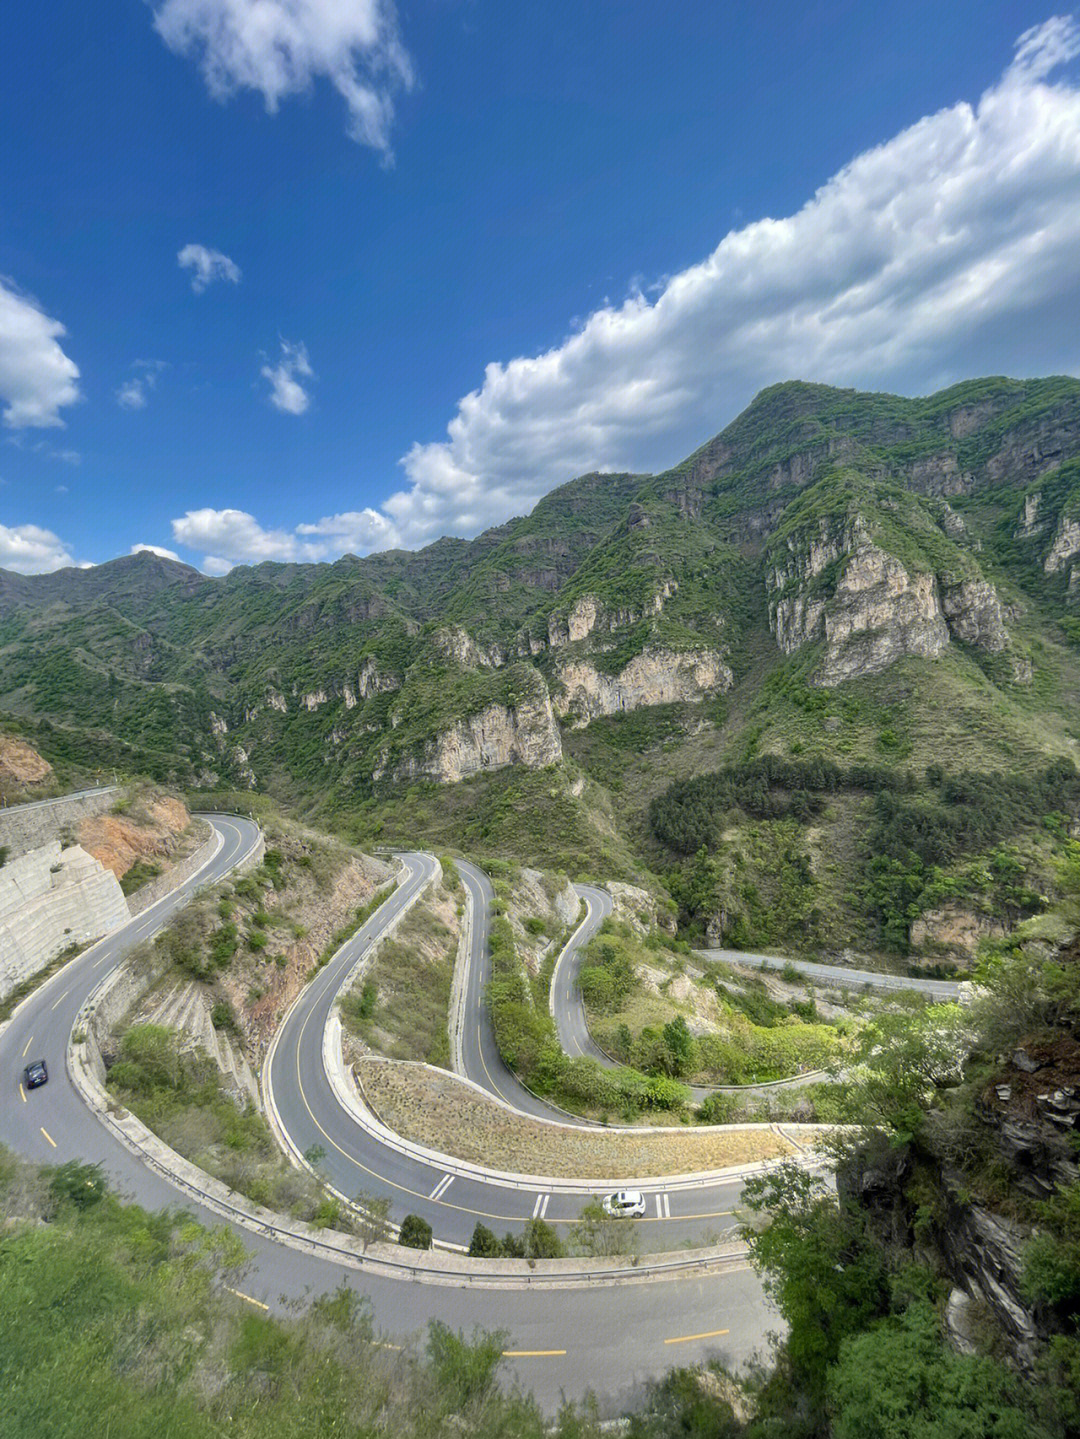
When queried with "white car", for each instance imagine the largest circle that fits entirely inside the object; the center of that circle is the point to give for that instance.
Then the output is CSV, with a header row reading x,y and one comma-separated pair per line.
x,y
625,1204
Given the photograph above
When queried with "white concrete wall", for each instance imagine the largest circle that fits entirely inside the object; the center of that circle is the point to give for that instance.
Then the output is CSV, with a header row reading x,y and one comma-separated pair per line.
x,y
51,898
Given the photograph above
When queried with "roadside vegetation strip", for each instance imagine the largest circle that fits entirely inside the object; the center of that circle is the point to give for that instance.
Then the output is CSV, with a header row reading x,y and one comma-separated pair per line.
x,y
435,1110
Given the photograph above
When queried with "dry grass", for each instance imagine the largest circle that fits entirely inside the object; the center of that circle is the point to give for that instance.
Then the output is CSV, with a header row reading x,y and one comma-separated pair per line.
x,y
437,1110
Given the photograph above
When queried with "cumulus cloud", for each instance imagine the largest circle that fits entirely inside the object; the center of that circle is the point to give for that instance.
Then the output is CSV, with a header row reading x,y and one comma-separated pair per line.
x,y
30,550
155,550
206,266
37,380
952,249
280,47
286,392
230,537
132,393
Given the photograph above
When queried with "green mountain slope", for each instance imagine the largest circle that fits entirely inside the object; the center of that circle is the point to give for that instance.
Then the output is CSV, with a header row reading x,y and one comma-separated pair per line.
x,y
861,578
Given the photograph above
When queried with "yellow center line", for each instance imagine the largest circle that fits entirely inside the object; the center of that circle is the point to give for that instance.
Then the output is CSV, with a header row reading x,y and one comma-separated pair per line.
x,y
48,1136
22,1092
64,995
532,1353
483,1061
688,1338
247,1297
29,1042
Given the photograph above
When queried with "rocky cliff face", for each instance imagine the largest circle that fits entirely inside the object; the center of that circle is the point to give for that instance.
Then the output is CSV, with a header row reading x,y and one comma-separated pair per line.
x,y
918,1198
1065,546
589,614
523,733
836,583
657,676
459,647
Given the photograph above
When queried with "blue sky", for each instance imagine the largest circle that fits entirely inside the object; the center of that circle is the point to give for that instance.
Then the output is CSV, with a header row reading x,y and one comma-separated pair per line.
x,y
582,235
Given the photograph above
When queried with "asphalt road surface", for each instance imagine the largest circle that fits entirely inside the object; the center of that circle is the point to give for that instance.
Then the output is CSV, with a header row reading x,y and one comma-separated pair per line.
x,y
567,1341
356,1163
834,974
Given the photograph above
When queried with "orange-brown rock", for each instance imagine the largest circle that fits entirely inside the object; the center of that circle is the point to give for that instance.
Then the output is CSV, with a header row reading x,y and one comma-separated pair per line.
x,y
20,763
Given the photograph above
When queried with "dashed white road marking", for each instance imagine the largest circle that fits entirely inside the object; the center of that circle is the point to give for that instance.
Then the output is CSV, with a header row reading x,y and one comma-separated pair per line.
x,y
540,1207
663,1206
442,1186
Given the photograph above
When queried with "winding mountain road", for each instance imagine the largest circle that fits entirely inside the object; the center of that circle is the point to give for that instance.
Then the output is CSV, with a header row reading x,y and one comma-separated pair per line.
x,y
356,1162
560,1341
834,974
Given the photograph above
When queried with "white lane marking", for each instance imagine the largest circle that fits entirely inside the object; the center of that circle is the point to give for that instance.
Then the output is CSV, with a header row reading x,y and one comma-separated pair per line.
x,y
659,1208
667,1206
442,1186
663,1206
540,1207
63,996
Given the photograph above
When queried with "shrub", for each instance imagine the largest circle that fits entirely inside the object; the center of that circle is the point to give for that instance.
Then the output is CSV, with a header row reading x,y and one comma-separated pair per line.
x,y
541,1241
79,1184
718,1109
222,1016
415,1232
484,1244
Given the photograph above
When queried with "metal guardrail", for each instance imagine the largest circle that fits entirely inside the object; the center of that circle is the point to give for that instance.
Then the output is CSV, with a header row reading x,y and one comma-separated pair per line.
x,y
58,799
404,1269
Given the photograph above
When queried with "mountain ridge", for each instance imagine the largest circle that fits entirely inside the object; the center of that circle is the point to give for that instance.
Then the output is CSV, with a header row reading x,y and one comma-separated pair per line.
x,y
823,537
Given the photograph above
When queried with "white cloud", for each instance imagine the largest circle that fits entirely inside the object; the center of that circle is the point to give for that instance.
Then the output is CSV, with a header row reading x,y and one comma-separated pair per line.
x,y
30,550
280,47
47,451
229,537
286,392
155,550
206,266
132,393
951,250
36,378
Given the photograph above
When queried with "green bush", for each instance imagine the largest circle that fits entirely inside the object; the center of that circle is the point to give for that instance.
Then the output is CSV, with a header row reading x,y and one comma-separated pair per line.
x,y
484,1244
415,1232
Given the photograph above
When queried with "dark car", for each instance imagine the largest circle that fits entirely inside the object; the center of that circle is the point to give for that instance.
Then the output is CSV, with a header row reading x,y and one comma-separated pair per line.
x,y
36,1074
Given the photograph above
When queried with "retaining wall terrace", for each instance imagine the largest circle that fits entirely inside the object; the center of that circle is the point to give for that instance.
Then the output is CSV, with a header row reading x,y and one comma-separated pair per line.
x,y
51,898
24,827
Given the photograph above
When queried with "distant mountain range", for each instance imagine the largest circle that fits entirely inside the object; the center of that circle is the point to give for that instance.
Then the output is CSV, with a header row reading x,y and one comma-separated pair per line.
x,y
832,567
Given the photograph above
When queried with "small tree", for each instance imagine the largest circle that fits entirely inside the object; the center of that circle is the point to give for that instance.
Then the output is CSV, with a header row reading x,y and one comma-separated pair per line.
x,y
541,1241
465,1368
679,1043
415,1232
371,1218
484,1244
600,1234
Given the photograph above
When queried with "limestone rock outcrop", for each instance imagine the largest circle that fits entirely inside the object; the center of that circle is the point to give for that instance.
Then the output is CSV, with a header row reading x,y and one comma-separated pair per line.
x,y
972,611
656,676
460,648
525,732
836,583
1065,546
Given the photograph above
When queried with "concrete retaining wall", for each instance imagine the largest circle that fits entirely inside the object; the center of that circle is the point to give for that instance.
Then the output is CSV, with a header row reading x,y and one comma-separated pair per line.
x,y
176,874
51,898
24,827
